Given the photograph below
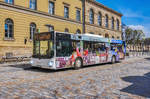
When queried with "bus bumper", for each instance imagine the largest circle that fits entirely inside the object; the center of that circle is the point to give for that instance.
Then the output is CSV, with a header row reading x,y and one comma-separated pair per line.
x,y
43,63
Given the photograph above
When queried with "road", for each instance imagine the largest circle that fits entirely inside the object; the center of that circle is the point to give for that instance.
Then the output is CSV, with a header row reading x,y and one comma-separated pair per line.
x,y
129,79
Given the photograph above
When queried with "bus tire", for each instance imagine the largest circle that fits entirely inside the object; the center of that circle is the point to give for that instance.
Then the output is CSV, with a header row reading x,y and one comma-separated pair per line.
x,y
78,63
113,60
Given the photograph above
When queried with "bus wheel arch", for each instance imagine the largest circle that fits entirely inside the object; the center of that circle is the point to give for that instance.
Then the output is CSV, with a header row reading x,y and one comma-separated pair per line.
x,y
78,63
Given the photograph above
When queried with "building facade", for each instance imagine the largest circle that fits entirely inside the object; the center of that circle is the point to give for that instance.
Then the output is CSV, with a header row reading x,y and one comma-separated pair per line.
x,y
20,19
102,20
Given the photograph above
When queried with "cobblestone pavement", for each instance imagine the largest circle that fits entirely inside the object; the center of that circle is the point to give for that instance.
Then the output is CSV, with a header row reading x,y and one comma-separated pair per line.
x,y
129,79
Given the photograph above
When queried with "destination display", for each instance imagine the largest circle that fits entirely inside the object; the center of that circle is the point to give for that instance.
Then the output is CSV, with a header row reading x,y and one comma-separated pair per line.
x,y
43,36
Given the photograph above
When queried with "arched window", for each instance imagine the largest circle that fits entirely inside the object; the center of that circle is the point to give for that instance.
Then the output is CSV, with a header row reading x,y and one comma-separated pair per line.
x,y
66,30
113,37
32,30
99,19
118,24
78,31
33,4
106,21
112,24
106,36
91,16
9,28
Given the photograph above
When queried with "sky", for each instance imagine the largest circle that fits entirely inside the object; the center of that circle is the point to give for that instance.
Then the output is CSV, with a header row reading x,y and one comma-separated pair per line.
x,y
136,13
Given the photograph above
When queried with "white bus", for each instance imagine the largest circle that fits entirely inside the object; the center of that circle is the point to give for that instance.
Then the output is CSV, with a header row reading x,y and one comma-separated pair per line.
x,y
58,50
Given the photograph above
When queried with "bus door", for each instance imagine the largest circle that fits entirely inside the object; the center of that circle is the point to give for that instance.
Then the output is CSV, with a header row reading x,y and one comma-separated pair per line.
x,y
88,57
121,51
103,53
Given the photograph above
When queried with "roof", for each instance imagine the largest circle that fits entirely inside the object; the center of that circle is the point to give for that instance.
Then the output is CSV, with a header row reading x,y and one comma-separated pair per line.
x,y
103,6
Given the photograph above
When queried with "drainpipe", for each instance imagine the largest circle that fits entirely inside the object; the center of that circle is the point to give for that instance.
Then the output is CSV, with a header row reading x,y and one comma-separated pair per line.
x,y
83,16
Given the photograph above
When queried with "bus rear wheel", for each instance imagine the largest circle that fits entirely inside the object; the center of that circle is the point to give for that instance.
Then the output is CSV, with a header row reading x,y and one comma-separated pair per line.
x,y
113,60
78,63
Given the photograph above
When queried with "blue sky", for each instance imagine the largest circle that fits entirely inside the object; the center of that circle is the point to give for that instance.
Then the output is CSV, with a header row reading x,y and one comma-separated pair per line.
x,y
136,13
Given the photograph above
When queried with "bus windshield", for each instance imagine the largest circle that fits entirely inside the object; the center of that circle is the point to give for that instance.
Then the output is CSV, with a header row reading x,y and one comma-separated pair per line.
x,y
64,45
43,45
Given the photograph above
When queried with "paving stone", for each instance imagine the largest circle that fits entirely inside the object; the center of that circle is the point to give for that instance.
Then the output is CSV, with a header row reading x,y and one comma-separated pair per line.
x,y
126,80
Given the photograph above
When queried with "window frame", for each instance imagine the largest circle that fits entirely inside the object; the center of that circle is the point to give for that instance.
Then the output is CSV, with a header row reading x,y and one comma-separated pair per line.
x,y
9,33
106,21
78,15
112,24
32,30
91,16
66,12
118,24
66,30
31,4
78,31
53,8
99,19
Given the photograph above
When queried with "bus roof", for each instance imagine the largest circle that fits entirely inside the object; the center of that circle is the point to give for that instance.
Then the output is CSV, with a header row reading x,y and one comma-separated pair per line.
x,y
86,37
93,37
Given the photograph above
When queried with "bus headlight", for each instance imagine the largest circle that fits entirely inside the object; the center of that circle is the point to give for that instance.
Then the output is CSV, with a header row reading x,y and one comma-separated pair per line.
x,y
31,62
51,63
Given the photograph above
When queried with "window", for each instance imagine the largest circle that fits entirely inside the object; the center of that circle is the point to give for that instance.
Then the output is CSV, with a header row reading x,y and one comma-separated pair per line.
x,y
65,47
113,37
99,19
32,30
91,16
66,12
9,1
51,28
106,21
94,47
33,4
106,36
66,30
78,16
9,28
78,32
118,37
51,8
118,24
112,23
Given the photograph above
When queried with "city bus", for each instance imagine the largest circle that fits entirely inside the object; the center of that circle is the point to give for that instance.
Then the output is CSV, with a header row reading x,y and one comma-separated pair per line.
x,y
58,50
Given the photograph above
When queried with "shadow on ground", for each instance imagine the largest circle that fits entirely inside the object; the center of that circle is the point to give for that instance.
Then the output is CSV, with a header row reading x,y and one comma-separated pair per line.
x,y
28,67
140,85
148,58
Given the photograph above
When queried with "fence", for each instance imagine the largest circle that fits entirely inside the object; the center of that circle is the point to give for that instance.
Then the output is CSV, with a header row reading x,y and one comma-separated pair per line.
x,y
138,50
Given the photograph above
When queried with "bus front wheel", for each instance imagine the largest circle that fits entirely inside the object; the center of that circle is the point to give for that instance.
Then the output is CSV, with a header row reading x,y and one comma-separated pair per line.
x,y
78,63
113,60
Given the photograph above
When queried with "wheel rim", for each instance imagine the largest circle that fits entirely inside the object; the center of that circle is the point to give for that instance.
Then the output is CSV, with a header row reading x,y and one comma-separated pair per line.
x,y
78,63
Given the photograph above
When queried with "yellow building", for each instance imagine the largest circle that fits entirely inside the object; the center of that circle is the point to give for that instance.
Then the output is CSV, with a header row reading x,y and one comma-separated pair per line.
x,y
19,20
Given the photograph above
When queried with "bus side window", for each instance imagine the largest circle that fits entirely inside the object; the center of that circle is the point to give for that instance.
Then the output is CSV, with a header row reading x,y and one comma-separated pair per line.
x,y
102,48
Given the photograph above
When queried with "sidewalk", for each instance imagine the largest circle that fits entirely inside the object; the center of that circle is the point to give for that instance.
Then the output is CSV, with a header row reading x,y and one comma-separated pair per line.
x,y
14,63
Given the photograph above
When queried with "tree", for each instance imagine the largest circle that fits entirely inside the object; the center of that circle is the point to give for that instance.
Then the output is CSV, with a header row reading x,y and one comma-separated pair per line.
x,y
133,36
